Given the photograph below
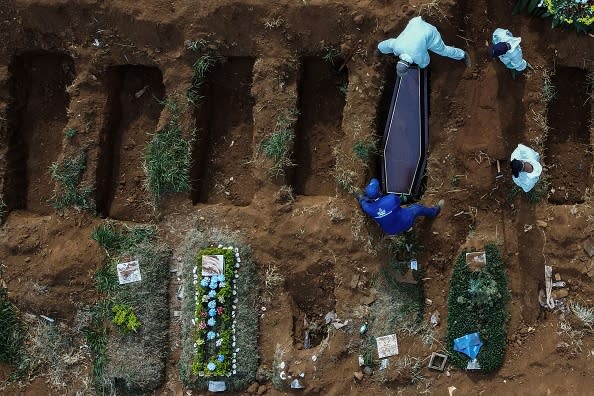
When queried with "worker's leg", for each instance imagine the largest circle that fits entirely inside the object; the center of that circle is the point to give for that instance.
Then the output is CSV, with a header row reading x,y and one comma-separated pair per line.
x,y
422,210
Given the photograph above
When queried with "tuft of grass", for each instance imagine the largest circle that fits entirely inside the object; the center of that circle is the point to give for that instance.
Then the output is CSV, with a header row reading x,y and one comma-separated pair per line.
x,y
329,53
363,150
200,68
167,159
344,88
285,194
70,133
278,146
120,240
274,23
539,192
196,45
3,210
12,336
273,278
547,91
68,175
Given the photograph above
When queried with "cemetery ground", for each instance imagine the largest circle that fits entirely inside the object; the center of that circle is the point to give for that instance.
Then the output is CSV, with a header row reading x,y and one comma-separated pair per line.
x,y
150,130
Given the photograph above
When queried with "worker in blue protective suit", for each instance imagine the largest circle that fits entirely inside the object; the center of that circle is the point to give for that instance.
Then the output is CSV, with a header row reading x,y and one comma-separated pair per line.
x,y
412,44
526,167
386,210
507,48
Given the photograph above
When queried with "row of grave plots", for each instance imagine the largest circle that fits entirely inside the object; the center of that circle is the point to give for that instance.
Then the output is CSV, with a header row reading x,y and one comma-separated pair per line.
x,y
127,104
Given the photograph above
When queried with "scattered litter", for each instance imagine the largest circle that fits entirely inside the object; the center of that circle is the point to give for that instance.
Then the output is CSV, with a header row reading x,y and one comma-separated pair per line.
x,y
263,309
129,272
355,281
550,302
295,384
282,365
527,227
330,317
96,43
387,346
589,247
361,361
340,325
141,92
473,365
414,265
358,375
541,223
469,344
438,361
314,358
384,363
282,375
302,375
306,340
217,386
428,302
451,390
435,319
363,328
47,318
176,314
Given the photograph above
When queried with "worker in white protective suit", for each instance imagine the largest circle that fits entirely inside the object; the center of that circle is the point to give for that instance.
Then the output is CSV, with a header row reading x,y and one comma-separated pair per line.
x,y
412,44
507,48
526,167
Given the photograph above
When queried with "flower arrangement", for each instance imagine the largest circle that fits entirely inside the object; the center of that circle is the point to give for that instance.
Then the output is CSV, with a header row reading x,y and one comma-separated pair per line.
x,y
214,319
575,13
125,318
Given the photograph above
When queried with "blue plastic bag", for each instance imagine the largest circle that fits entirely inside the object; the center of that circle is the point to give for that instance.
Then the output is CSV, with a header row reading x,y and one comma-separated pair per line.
x,y
469,344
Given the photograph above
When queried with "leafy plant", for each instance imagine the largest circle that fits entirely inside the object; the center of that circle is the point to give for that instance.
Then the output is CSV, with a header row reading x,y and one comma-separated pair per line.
x,y
68,175
70,133
125,318
279,144
488,316
363,150
167,159
578,14
200,68
583,313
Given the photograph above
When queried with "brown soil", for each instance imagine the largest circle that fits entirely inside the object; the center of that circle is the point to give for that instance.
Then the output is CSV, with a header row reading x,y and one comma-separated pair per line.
x,y
52,78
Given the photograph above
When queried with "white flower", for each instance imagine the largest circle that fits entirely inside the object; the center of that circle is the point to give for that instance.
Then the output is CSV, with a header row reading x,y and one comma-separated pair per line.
x,y
220,246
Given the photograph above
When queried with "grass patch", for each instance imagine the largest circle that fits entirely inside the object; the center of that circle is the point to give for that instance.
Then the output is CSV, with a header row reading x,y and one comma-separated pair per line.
x,y
167,158
246,325
278,146
68,175
12,336
130,359
3,210
70,133
539,192
329,54
200,68
363,150
476,303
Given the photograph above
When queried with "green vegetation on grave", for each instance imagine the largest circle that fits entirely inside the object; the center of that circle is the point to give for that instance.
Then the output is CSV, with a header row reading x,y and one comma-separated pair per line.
x,y
200,68
477,303
363,150
12,336
571,13
196,356
329,54
278,146
68,175
167,158
130,356
539,192
70,133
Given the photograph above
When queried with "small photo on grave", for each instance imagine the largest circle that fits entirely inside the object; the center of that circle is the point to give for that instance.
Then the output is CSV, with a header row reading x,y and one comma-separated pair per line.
x,y
213,265
128,272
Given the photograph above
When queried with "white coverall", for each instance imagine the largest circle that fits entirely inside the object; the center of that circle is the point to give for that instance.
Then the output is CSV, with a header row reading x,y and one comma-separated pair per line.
x,y
412,44
513,58
527,180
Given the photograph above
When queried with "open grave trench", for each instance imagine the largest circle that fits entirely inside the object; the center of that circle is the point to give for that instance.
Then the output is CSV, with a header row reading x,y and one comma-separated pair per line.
x,y
132,110
321,100
224,133
36,118
568,148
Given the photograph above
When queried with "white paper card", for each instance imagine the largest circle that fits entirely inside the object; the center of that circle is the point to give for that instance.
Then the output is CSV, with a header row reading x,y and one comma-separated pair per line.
x,y
129,272
387,346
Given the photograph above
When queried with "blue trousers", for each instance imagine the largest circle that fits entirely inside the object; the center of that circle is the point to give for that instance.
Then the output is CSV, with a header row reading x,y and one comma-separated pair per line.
x,y
410,213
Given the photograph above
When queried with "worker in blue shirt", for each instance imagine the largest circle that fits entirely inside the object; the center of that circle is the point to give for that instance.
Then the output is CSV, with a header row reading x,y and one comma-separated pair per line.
x,y
412,44
386,210
507,48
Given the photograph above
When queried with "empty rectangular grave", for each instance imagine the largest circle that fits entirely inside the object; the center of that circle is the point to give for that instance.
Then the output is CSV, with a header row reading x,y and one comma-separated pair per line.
x,y
568,151
36,121
321,99
223,148
131,113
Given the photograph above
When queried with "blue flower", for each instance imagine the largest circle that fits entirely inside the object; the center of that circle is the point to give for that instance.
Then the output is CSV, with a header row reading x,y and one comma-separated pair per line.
x,y
210,335
220,358
221,278
212,304
211,322
211,366
213,285
212,312
212,294
204,282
